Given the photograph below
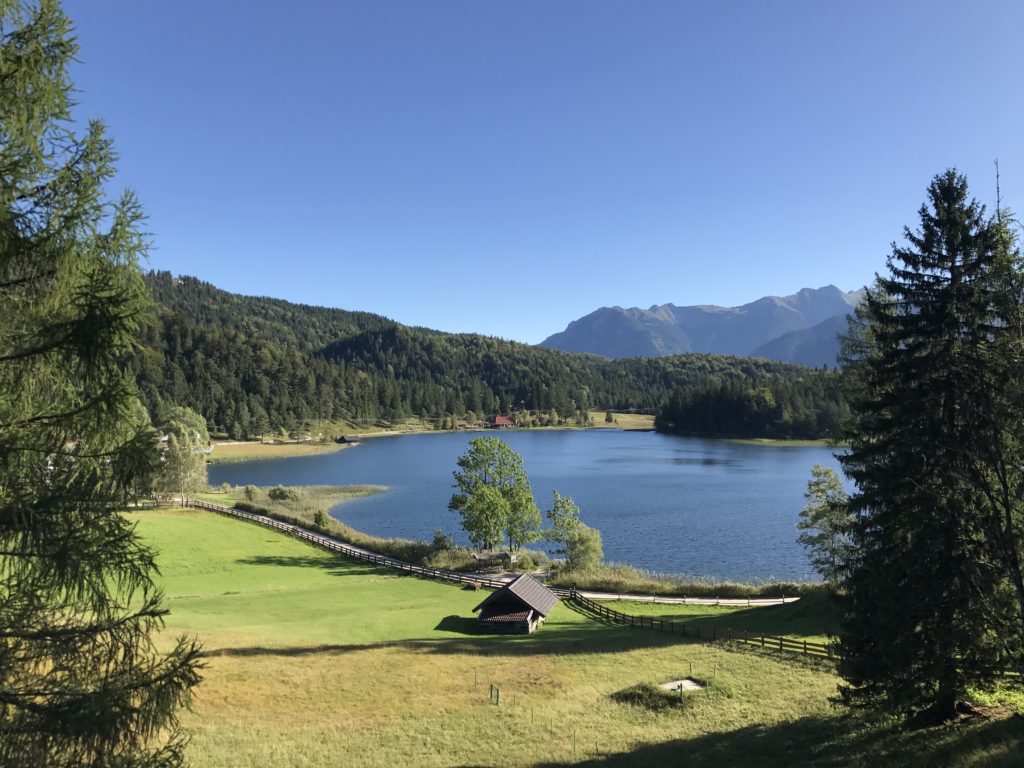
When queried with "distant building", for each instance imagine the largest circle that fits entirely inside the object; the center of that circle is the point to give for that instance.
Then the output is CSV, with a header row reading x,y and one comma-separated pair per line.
x,y
500,422
348,439
517,608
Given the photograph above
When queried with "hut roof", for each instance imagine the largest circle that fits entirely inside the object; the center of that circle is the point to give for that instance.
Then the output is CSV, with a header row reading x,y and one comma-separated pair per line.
x,y
511,617
526,590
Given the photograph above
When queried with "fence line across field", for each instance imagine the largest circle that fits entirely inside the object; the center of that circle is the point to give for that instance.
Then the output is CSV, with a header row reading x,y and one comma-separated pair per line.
x,y
673,627
773,642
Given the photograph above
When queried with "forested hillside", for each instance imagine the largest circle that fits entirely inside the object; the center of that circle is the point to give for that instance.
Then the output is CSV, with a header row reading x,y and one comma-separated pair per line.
x,y
253,366
795,407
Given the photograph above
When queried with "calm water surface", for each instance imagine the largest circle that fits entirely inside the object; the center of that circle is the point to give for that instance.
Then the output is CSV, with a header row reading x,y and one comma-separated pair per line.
x,y
672,504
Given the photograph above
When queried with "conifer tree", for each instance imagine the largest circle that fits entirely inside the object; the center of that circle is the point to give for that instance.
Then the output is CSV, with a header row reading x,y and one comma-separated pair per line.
x,y
915,615
81,682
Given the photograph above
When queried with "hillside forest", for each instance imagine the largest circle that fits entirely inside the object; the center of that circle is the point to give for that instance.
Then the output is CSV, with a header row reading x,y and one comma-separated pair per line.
x,y
253,366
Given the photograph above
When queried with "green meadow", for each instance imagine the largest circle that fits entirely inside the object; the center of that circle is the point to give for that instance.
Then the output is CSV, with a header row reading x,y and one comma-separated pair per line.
x,y
318,661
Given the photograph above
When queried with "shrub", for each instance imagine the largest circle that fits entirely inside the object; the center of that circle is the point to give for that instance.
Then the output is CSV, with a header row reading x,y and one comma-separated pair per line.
x,y
280,493
530,560
649,697
252,508
442,541
250,492
583,548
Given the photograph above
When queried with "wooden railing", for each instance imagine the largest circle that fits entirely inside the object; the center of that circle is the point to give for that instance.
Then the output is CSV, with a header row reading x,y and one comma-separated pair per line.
x,y
671,626
681,628
333,545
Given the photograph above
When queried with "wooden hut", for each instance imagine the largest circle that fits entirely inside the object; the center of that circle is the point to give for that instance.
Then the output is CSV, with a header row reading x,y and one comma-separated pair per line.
x,y
518,607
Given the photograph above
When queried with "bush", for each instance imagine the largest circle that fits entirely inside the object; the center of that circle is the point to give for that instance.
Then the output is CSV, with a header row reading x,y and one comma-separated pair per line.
x,y
452,559
252,509
442,541
583,548
649,697
250,492
280,493
320,520
613,577
530,560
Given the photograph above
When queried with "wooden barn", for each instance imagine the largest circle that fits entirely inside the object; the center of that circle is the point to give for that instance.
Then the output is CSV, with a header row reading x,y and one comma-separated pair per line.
x,y
517,608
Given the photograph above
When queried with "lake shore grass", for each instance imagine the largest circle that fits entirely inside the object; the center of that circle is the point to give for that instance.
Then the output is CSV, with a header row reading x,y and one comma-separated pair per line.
x,y
317,661
627,579
300,508
813,617
231,452
632,422
773,443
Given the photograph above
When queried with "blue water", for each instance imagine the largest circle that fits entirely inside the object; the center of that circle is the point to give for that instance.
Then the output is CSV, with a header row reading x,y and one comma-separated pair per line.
x,y
672,504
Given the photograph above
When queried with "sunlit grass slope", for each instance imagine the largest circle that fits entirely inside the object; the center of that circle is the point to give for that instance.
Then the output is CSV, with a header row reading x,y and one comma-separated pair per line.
x,y
320,662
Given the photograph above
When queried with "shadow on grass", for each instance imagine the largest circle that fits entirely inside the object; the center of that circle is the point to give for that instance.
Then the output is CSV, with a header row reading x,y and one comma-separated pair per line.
x,y
827,742
336,564
565,639
460,625
813,615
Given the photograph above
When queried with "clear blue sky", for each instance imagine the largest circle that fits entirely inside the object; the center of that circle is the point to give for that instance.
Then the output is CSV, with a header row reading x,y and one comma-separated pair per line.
x,y
506,167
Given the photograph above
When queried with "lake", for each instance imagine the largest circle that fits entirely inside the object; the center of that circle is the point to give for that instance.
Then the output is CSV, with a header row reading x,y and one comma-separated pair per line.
x,y
671,504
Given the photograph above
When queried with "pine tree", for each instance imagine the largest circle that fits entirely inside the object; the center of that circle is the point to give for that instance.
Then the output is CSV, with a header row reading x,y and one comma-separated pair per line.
x,y
81,682
992,456
913,635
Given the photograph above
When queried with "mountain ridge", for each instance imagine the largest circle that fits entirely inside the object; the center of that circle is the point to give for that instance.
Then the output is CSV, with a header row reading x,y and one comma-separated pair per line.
x,y
748,329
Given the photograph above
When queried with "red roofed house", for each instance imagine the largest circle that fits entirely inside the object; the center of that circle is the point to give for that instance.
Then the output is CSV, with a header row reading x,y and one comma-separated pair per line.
x,y
517,608
499,422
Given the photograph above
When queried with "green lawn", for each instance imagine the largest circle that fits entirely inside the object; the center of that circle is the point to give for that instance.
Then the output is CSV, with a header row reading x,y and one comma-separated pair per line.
x,y
316,661
227,453
810,618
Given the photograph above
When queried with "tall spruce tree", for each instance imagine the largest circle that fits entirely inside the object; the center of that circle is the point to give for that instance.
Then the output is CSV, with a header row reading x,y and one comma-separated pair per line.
x,y
921,577
81,682
992,457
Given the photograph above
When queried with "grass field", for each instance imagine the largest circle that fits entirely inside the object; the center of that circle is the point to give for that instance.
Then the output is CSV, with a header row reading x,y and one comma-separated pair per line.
x,y
786,443
224,453
317,661
622,421
810,618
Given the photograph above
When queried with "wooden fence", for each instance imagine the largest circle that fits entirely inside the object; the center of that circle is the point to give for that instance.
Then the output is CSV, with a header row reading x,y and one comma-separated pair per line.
x,y
333,545
673,627
680,628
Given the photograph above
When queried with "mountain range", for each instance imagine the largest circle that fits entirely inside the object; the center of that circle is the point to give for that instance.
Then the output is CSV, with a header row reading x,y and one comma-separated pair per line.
x,y
801,328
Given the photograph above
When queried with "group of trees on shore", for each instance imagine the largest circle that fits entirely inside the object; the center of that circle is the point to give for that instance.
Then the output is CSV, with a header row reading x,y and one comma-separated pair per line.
x,y
496,503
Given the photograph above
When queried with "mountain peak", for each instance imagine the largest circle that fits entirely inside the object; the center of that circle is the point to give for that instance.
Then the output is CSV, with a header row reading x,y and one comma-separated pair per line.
x,y
667,329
